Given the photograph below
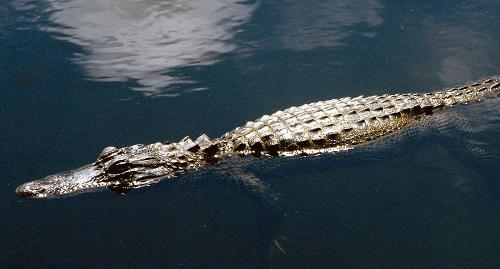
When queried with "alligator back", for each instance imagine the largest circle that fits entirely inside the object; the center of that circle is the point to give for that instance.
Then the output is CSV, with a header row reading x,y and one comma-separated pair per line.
x,y
339,124
327,126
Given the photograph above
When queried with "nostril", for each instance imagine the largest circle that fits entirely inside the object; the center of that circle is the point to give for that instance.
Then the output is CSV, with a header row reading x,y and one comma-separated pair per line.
x,y
23,191
21,188
27,190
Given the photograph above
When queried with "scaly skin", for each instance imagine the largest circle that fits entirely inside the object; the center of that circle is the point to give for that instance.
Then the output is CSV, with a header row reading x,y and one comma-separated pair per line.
x,y
335,124
320,127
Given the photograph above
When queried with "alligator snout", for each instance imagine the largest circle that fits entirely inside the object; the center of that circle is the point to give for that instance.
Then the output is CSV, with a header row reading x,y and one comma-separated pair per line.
x,y
30,190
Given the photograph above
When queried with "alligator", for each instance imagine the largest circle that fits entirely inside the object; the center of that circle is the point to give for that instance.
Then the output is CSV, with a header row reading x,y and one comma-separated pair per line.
x,y
322,127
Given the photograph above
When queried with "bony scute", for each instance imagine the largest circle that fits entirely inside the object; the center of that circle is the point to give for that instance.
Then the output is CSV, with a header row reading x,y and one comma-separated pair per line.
x,y
322,127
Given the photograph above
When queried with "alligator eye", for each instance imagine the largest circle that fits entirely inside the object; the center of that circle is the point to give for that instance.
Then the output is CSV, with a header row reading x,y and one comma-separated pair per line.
x,y
107,151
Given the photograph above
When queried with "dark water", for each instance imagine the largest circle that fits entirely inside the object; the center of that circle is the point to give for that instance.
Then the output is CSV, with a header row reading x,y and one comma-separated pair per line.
x,y
77,76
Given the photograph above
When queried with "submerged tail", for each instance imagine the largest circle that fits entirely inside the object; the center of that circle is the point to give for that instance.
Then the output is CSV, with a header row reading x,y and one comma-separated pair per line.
x,y
473,92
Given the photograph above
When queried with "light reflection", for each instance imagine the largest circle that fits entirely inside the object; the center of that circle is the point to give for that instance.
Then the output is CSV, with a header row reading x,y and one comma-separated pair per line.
x,y
463,48
463,53
145,41
306,25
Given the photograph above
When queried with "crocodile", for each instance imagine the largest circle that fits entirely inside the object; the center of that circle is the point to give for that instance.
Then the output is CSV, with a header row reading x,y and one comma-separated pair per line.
x,y
321,127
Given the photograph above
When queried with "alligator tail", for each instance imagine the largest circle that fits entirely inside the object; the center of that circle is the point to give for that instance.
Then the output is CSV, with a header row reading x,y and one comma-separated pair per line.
x,y
474,92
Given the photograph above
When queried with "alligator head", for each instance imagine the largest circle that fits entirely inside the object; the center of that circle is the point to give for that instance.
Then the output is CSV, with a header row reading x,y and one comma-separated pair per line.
x,y
121,169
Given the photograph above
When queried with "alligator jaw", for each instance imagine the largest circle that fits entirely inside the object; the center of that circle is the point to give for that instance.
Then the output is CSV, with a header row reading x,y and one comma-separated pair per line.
x,y
75,181
121,170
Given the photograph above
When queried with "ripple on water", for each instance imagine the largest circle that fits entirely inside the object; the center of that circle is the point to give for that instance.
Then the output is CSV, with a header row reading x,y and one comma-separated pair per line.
x,y
144,41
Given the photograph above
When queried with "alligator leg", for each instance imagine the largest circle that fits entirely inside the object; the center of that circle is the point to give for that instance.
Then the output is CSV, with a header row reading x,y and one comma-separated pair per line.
x,y
271,212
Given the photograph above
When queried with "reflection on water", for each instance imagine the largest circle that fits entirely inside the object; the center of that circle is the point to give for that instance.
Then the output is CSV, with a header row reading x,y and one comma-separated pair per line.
x,y
307,25
463,49
149,41
146,40
462,52
433,195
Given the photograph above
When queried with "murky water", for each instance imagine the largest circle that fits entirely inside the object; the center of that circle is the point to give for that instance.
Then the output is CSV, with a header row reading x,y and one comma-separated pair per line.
x,y
78,76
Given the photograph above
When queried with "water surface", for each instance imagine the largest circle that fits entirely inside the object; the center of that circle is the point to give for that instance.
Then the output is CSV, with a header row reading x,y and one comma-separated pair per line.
x,y
79,76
